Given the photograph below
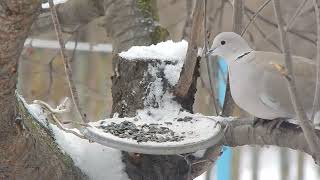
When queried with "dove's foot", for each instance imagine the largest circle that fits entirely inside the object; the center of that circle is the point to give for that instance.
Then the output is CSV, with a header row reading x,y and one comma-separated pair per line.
x,y
257,121
275,123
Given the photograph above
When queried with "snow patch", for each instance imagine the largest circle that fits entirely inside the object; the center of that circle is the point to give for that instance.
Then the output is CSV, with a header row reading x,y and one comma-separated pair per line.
x,y
165,51
172,72
46,5
36,111
200,153
155,88
98,162
172,53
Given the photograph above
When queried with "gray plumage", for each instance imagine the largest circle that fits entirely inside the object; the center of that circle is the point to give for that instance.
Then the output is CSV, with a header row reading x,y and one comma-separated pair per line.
x,y
256,86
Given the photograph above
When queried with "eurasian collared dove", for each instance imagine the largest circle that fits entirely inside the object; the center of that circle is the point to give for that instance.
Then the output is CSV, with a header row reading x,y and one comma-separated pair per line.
x,y
256,86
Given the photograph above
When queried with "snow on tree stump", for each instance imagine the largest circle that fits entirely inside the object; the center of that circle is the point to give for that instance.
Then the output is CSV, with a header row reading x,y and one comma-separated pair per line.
x,y
147,117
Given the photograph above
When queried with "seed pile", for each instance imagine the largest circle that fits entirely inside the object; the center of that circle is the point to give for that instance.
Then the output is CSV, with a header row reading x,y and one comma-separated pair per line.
x,y
141,133
185,119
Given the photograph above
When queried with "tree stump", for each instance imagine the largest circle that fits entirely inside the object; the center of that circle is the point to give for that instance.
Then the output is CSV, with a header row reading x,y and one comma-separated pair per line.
x,y
130,86
133,89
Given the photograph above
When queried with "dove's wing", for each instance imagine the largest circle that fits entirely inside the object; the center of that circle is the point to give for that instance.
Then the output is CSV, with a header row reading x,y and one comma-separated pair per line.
x,y
274,91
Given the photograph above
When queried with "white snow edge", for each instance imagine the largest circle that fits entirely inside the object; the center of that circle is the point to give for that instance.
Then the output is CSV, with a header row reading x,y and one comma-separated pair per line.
x,y
98,162
165,51
46,5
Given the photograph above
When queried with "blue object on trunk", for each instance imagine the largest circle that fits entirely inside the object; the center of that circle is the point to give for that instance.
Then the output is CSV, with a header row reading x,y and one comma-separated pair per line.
x,y
224,162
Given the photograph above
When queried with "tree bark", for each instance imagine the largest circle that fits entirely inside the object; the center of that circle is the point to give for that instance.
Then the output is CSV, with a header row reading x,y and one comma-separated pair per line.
x,y
33,153
129,90
27,150
16,18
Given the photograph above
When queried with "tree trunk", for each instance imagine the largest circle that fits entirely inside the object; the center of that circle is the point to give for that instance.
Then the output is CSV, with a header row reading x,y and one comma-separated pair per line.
x,y
27,150
129,90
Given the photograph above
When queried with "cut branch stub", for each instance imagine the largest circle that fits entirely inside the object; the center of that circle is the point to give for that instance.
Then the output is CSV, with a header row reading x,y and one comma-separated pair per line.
x,y
185,80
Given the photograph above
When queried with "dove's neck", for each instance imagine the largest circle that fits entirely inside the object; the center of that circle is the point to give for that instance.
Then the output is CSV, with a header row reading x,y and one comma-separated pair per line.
x,y
237,53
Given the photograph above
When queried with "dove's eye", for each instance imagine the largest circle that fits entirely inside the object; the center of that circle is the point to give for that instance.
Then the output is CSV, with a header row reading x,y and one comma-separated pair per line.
x,y
223,42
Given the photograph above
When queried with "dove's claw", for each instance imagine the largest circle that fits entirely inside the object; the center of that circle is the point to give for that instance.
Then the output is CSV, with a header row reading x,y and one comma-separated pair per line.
x,y
275,123
257,121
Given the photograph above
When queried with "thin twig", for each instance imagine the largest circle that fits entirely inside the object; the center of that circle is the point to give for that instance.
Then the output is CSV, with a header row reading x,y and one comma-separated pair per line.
x,y
315,106
263,34
267,21
307,128
73,90
53,113
206,44
296,14
188,21
289,26
50,65
205,27
221,16
237,18
75,47
186,158
255,15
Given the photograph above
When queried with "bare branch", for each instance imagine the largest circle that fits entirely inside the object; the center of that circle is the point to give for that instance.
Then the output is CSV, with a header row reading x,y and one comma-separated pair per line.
x,y
66,62
221,16
291,22
305,124
315,106
240,132
255,15
188,21
52,113
266,37
237,18
205,50
296,14
72,13
186,75
267,21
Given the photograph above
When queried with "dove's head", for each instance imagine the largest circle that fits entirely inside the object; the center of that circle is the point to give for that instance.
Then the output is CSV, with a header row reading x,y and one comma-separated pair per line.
x,y
229,45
